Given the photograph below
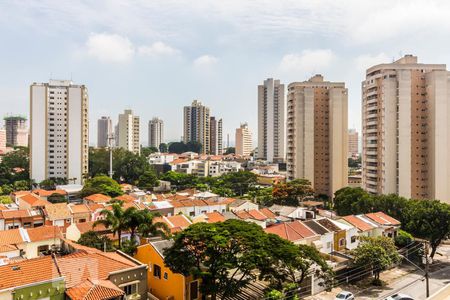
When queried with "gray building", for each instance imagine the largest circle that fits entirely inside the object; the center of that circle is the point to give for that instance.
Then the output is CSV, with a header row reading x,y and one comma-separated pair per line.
x,y
155,132
104,131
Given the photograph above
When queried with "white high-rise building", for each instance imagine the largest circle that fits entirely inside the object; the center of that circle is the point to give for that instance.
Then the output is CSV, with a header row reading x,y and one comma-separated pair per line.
x,y
129,132
104,131
243,140
197,125
271,121
155,132
59,130
406,129
215,131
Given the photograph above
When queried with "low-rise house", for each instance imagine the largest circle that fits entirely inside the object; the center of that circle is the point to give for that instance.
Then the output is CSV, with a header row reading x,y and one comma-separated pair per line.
x,y
340,236
326,242
212,217
293,212
58,214
351,233
295,232
162,282
365,228
31,242
126,198
80,212
164,208
241,204
22,218
75,230
175,223
97,199
126,188
44,194
31,201
72,191
195,207
260,217
389,225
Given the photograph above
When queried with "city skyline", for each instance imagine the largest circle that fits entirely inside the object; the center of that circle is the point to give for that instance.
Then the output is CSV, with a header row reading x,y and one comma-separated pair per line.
x,y
146,53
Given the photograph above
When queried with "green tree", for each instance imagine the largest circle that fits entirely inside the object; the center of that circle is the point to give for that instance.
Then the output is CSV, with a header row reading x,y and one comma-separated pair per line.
x,y
261,195
57,198
117,219
403,239
101,184
5,199
7,189
47,184
177,147
15,166
292,192
148,227
194,146
146,151
230,150
129,247
94,240
378,253
148,180
349,201
180,180
163,148
239,182
22,185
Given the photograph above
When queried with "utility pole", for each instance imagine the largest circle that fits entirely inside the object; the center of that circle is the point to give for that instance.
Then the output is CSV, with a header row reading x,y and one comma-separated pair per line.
x,y
425,245
110,142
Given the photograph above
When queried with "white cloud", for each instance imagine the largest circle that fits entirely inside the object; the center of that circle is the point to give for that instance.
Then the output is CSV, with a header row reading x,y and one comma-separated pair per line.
x,y
109,47
365,61
205,61
307,61
158,49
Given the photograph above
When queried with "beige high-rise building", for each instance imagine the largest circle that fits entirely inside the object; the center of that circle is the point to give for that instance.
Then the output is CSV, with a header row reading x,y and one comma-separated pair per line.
x,y
243,140
406,129
197,125
215,139
317,133
59,128
129,132
104,132
16,131
271,121
155,132
353,143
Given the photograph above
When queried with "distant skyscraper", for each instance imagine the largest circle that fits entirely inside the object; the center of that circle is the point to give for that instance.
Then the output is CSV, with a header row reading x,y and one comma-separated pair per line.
x,y
16,131
243,140
155,132
129,132
353,143
406,129
216,147
2,140
59,130
317,133
196,125
104,131
271,121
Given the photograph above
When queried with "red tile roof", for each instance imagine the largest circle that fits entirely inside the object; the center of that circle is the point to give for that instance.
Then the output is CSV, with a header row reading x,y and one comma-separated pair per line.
x,y
98,198
214,217
268,213
10,237
382,218
257,215
358,223
175,223
89,226
45,193
58,211
291,231
81,208
125,198
14,214
44,233
33,200
242,214
94,290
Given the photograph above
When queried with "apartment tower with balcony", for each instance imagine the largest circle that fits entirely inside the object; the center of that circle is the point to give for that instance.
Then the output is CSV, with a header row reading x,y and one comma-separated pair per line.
x,y
406,129
155,132
353,143
196,125
129,132
104,132
317,133
216,139
16,131
59,130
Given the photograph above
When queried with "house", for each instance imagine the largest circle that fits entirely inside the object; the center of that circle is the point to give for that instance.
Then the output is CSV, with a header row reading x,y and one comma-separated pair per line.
x,y
326,242
389,225
125,198
44,194
212,217
31,201
294,231
351,233
31,242
81,212
164,208
97,199
72,191
75,230
240,204
22,218
260,217
339,238
175,223
162,282
126,188
364,226
293,212
58,214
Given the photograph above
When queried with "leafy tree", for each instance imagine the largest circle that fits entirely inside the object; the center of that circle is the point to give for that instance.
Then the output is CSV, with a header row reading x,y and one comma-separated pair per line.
x,y
163,148
239,182
5,199
354,163
223,191
101,184
428,220
146,151
15,166
148,227
349,201
194,146
94,240
22,185
57,198
177,147
7,189
116,219
403,239
262,196
180,180
47,184
292,192
230,150
376,252
148,180
129,247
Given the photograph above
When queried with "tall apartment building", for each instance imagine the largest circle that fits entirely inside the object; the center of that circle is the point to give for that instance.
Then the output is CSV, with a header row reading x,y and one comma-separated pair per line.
x,y
104,131
215,139
129,132
2,141
155,132
406,129
317,134
16,131
243,140
353,143
197,125
271,121
59,129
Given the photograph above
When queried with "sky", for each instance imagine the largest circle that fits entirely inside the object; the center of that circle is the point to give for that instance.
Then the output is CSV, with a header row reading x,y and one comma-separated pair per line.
x,y
157,56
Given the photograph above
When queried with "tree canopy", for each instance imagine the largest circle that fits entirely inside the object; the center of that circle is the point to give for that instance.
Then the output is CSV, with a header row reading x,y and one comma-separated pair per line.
x,y
148,180
292,192
181,147
94,240
163,148
101,184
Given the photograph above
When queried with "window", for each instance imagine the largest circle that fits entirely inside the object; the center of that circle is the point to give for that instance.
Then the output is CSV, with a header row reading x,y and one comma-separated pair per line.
x,y
341,242
193,290
130,289
353,239
41,250
157,271
166,276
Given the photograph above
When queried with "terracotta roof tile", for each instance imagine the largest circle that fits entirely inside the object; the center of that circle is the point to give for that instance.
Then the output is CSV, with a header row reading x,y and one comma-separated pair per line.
x,y
14,214
33,200
45,193
98,198
58,211
94,290
89,226
175,223
257,215
300,228
125,198
358,223
43,233
214,217
284,231
382,218
268,213
242,214
11,237
81,208
328,225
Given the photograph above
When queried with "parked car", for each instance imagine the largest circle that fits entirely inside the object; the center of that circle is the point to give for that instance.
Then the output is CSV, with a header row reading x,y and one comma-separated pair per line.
x,y
399,297
344,295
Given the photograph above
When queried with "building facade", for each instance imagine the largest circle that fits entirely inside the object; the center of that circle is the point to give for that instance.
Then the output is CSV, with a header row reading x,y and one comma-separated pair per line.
x,y
155,132
317,133
59,127
353,143
104,132
197,125
129,132
243,140
406,129
16,131
216,138
271,121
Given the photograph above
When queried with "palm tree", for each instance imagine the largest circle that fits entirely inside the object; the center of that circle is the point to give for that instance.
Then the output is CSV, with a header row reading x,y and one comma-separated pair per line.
x,y
115,219
147,228
133,219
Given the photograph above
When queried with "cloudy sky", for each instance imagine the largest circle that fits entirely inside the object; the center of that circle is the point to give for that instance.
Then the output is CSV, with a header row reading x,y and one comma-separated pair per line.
x,y
156,56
